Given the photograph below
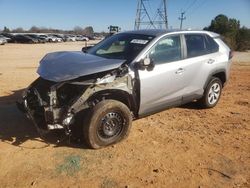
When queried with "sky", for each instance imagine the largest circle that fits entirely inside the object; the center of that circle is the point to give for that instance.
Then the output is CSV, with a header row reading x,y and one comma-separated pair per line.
x,y
66,14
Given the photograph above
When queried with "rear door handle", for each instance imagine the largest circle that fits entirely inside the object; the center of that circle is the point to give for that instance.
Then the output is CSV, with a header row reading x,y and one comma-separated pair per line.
x,y
180,71
210,61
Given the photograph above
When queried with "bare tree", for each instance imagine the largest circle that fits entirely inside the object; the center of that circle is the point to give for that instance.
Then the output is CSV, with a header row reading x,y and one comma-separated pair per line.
x,y
34,29
78,30
18,30
89,31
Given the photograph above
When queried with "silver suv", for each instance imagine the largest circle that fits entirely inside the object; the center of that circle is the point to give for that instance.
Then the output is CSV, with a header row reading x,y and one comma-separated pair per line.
x,y
124,77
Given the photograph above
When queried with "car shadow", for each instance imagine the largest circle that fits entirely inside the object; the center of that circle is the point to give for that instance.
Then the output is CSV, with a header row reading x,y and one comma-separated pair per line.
x,y
16,128
192,106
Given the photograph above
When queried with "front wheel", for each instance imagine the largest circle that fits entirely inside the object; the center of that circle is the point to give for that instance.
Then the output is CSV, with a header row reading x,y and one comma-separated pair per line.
x,y
108,123
212,93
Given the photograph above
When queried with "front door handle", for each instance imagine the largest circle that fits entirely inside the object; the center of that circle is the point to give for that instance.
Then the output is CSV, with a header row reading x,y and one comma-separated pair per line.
x,y
180,71
210,61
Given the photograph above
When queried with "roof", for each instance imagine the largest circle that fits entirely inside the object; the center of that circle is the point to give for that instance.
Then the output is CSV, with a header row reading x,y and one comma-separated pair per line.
x,y
158,32
153,32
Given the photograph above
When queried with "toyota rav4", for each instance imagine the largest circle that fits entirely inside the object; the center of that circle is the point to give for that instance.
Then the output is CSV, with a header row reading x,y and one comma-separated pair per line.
x,y
124,77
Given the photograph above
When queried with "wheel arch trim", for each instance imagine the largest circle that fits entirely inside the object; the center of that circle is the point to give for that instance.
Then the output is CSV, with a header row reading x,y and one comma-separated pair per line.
x,y
215,74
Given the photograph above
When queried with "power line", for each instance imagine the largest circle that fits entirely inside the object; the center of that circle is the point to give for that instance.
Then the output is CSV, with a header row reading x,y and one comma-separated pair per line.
x,y
185,5
193,2
190,11
197,7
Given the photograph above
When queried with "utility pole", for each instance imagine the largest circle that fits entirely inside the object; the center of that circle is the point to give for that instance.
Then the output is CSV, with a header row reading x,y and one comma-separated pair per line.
x,y
143,18
182,18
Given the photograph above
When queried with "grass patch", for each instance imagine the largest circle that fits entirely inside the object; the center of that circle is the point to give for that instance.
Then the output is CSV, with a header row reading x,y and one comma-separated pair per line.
x,y
109,183
70,166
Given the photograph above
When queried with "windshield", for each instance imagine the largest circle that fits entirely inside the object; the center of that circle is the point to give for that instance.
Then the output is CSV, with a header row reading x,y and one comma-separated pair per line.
x,y
121,46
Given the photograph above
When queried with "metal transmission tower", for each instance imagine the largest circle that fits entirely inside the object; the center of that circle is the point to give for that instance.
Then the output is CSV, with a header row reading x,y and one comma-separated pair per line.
x,y
143,18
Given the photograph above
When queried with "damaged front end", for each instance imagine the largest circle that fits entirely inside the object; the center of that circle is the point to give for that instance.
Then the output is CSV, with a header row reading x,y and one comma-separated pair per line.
x,y
54,105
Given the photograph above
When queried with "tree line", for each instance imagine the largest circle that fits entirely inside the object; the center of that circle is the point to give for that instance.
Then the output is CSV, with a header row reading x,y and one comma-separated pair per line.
x,y
237,37
77,30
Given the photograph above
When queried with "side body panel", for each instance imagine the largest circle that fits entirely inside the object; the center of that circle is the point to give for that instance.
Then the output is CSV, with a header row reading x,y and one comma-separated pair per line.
x,y
164,87
224,61
161,87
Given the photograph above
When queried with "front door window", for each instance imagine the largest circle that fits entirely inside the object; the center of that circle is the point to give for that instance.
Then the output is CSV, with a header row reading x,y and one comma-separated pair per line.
x,y
166,50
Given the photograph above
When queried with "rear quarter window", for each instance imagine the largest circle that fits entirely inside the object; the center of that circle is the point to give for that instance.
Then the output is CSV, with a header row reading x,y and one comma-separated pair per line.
x,y
211,45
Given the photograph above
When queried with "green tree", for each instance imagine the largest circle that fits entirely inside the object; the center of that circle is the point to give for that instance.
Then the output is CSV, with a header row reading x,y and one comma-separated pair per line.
x,y
220,24
235,36
243,39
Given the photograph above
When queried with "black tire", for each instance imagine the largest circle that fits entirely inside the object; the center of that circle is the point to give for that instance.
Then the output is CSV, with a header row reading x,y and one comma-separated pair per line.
x,y
107,123
212,93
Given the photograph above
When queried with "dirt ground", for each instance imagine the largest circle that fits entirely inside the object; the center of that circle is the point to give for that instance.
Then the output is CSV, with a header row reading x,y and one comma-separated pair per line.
x,y
180,147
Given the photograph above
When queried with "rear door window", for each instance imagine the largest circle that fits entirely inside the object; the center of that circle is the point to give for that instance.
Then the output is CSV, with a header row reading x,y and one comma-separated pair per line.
x,y
200,44
195,45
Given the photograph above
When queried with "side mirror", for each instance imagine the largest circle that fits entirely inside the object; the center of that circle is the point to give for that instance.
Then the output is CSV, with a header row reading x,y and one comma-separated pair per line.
x,y
146,63
85,49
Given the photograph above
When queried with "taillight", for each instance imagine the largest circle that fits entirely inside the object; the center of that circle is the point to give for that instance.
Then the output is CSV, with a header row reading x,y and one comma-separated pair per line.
x,y
231,54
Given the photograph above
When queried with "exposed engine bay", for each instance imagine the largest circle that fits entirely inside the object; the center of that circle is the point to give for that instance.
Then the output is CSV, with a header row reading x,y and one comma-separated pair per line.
x,y
53,105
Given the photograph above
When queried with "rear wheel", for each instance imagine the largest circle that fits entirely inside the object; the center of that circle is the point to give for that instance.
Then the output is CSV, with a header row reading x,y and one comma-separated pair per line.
x,y
108,123
212,93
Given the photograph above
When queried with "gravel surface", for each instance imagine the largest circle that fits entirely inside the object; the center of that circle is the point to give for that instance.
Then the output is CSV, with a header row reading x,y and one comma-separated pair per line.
x,y
179,147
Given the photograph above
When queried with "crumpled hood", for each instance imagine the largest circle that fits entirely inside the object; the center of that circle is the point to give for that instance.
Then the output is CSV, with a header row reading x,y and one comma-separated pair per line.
x,y
62,66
